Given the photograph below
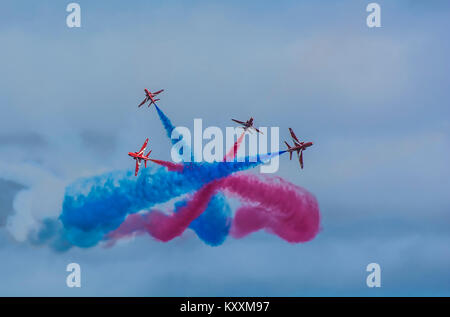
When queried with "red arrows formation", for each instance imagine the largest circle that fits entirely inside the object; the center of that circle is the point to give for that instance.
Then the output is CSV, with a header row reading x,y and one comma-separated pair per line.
x,y
299,146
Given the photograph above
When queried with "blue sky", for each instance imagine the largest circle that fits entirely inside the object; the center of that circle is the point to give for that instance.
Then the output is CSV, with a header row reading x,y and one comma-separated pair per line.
x,y
374,101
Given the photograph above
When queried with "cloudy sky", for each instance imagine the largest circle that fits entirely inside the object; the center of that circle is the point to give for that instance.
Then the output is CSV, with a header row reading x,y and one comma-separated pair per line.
x,y
374,101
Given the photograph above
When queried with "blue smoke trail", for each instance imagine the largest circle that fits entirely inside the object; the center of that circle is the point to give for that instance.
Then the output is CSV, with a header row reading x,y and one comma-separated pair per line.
x,y
168,126
95,206
213,225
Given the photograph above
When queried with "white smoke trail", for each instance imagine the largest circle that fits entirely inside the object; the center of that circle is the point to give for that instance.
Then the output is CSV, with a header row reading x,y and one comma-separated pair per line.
x,y
42,197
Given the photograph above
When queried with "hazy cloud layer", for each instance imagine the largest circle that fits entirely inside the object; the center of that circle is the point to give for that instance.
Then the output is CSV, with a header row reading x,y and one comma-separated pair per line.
x,y
375,103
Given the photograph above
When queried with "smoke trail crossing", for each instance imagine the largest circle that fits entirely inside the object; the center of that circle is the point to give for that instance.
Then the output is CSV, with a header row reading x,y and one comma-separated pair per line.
x,y
117,204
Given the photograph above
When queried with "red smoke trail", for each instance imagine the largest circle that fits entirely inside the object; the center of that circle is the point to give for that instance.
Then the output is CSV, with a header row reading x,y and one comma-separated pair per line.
x,y
275,205
232,153
177,167
166,227
172,167
133,225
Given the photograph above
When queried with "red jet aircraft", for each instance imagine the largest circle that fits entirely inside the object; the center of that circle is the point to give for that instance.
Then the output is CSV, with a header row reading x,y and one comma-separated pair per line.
x,y
247,125
139,156
149,97
298,147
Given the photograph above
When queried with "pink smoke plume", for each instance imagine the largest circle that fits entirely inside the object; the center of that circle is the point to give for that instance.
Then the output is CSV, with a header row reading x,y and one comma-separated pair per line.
x,y
272,204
